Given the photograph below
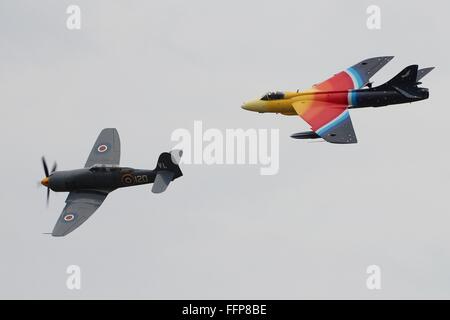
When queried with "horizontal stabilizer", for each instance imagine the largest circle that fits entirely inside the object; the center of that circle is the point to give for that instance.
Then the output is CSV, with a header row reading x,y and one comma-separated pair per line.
x,y
162,181
423,72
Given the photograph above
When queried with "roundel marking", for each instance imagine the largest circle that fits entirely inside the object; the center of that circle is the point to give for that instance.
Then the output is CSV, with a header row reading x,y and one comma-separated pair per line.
x,y
102,148
127,178
69,217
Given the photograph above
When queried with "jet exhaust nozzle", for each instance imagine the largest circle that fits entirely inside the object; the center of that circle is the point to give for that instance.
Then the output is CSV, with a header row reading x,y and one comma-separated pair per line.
x,y
305,135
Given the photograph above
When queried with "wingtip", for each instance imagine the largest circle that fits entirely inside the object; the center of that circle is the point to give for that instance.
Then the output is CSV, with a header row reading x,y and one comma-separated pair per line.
x,y
387,59
58,235
55,235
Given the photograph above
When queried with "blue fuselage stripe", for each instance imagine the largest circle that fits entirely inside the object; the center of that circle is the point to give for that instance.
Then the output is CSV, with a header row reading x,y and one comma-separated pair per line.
x,y
356,76
352,97
341,118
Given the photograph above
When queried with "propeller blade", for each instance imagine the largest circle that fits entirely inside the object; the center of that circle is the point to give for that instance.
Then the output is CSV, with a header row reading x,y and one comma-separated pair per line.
x,y
54,167
48,196
44,164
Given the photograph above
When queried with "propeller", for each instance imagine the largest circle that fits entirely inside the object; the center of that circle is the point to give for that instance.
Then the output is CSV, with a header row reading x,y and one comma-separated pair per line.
x,y
47,174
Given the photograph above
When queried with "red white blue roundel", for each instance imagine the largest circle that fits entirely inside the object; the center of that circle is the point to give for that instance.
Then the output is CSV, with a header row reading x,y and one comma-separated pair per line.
x,y
69,217
102,148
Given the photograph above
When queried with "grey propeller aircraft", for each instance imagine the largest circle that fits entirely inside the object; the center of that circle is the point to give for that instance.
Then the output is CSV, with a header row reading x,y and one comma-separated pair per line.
x,y
89,187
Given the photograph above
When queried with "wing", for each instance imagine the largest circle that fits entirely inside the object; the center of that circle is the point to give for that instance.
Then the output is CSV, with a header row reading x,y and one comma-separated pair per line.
x,y
355,77
80,205
106,149
330,121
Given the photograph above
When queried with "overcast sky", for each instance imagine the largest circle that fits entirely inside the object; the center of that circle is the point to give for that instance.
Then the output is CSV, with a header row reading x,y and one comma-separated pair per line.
x,y
150,67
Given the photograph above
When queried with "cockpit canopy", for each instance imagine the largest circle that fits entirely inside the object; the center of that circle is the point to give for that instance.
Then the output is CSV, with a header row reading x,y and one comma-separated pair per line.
x,y
273,96
103,168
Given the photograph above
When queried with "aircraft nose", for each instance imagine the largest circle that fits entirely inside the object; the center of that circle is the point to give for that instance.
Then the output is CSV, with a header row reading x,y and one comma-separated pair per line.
x,y
44,181
250,106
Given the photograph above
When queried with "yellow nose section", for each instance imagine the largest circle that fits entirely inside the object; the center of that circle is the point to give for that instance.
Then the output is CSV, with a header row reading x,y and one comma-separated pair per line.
x,y
255,105
44,181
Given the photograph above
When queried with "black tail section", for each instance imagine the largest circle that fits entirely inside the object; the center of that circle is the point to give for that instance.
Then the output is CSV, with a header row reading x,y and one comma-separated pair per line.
x,y
403,88
406,83
406,77
169,162
167,170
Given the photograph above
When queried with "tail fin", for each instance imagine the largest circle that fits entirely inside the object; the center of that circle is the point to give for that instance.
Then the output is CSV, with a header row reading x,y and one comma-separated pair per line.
x,y
423,72
407,76
167,170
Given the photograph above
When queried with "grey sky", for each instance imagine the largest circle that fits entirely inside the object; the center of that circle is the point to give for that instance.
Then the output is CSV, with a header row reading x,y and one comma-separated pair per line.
x,y
149,67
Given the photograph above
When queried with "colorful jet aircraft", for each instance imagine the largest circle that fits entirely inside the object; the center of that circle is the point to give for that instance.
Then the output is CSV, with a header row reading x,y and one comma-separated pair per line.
x,y
325,106
101,175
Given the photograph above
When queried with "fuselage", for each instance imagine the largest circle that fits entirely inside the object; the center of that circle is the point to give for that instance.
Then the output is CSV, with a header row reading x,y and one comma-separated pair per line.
x,y
98,178
281,102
